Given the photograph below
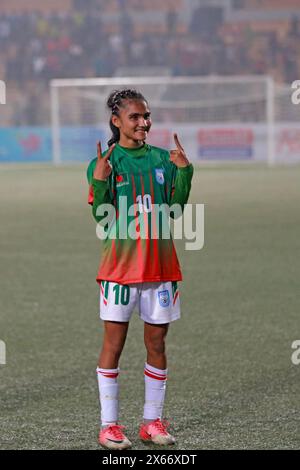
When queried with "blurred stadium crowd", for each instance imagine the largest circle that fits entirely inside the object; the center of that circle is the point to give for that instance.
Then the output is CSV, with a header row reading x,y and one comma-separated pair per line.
x,y
89,38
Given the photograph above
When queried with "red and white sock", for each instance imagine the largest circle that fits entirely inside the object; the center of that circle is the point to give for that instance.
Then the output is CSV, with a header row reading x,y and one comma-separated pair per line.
x,y
108,395
155,390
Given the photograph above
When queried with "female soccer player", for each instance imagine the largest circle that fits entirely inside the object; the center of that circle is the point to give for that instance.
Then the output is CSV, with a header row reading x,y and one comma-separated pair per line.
x,y
140,270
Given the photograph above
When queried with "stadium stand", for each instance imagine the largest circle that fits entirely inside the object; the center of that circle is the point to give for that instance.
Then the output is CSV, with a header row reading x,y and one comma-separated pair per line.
x,y
267,4
76,38
15,6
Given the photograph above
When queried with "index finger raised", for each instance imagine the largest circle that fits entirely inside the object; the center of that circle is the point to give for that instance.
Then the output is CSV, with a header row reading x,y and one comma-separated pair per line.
x,y
106,157
99,150
178,144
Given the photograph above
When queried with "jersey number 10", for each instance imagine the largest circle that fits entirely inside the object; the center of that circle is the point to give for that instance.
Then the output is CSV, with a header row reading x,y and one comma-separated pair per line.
x,y
145,204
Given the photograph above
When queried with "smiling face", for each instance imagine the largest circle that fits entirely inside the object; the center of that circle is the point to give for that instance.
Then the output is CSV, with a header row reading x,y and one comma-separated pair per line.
x,y
133,122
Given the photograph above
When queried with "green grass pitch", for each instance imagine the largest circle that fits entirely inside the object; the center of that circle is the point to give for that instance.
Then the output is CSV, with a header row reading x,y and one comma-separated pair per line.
x,y
231,385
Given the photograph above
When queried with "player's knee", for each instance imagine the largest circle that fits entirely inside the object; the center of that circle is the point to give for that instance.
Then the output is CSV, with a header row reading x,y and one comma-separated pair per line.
x,y
155,345
113,347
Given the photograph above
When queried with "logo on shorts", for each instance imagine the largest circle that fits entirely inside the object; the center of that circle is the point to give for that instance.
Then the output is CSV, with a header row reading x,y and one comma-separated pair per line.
x,y
122,179
159,175
164,298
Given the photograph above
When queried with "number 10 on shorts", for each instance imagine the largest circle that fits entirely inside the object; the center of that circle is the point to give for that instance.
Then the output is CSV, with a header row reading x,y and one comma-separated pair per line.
x,y
121,293
125,294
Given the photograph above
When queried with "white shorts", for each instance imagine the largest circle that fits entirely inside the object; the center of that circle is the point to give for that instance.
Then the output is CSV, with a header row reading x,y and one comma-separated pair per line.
x,y
156,302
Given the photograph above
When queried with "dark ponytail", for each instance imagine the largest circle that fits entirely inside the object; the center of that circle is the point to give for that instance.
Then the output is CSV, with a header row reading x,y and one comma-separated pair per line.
x,y
116,134
115,102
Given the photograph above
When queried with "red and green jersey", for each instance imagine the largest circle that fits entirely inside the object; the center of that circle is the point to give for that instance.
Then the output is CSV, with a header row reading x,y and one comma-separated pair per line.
x,y
146,177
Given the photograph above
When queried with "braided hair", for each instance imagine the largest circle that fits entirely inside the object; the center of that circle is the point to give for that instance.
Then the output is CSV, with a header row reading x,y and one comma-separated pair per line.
x,y
115,102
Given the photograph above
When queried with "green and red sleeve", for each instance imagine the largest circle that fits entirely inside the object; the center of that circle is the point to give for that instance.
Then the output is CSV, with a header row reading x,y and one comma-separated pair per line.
x,y
182,185
99,191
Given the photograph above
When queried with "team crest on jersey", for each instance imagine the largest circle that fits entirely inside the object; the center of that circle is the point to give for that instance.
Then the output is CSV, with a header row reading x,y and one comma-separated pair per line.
x,y
122,179
159,175
164,298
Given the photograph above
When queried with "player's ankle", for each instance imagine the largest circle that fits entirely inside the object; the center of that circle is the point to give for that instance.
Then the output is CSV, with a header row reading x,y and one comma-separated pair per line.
x,y
147,421
103,426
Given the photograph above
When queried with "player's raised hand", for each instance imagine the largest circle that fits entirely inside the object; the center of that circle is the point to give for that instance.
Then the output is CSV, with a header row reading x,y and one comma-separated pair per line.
x,y
178,156
103,166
